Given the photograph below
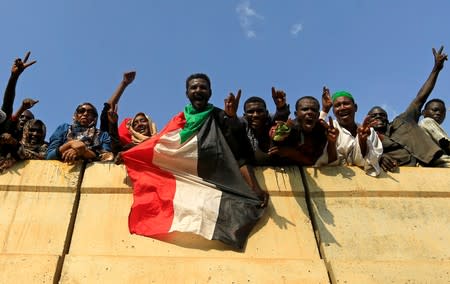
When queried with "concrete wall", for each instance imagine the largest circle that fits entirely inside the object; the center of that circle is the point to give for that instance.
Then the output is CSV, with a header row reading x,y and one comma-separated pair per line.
x,y
68,224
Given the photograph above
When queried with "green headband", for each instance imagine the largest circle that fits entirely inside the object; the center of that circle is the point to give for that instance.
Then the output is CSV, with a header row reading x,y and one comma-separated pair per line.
x,y
341,94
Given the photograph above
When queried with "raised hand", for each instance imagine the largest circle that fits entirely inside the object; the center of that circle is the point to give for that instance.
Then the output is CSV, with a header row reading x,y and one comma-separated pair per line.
x,y
232,104
128,77
332,132
364,130
19,65
439,58
279,98
28,103
327,103
332,136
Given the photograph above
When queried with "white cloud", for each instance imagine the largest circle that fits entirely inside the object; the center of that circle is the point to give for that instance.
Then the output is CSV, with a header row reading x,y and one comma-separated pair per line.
x,y
251,34
247,16
296,28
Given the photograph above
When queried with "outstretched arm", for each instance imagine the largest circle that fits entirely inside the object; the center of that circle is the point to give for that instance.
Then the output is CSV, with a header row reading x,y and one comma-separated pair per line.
x,y
128,78
112,104
18,67
425,91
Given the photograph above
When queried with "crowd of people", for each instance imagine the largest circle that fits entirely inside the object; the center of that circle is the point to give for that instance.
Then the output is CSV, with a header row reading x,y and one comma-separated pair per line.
x,y
310,138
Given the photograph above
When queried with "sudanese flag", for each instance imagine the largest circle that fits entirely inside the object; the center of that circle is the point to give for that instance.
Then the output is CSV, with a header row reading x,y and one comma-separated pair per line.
x,y
186,179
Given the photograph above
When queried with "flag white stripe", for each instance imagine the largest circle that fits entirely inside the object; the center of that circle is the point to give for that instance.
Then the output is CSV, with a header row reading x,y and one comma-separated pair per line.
x,y
168,153
196,207
196,203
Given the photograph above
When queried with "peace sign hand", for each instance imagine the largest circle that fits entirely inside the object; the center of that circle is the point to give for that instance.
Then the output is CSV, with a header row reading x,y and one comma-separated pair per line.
x,y
279,98
364,130
332,133
439,58
327,103
232,104
19,65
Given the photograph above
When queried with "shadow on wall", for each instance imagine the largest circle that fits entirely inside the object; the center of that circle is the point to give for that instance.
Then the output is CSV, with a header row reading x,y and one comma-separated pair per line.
x,y
320,216
278,186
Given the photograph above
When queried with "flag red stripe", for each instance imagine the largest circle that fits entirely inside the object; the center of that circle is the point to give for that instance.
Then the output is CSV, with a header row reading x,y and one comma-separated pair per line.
x,y
154,188
153,202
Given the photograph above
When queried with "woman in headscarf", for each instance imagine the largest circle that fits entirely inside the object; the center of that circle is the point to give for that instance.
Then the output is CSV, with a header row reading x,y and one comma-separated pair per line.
x,y
32,146
136,130
131,132
80,140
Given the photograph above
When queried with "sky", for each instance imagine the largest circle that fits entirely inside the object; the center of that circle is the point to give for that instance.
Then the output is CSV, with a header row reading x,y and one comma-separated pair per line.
x,y
380,51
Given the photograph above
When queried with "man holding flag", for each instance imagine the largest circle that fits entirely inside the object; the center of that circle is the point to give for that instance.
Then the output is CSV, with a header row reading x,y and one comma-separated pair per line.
x,y
195,175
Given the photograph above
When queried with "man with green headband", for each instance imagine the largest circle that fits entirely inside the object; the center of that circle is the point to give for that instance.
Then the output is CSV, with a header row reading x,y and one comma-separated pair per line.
x,y
404,142
356,144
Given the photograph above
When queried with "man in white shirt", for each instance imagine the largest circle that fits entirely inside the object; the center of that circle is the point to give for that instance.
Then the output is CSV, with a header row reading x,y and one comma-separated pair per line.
x,y
356,144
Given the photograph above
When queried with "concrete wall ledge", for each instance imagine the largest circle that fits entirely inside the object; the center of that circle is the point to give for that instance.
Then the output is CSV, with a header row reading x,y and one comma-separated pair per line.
x,y
353,182
323,224
37,175
414,271
22,268
109,269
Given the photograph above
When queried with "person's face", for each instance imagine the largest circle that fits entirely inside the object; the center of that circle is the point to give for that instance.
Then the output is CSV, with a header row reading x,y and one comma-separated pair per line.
x,y
255,114
85,115
344,110
307,114
436,111
140,124
378,119
23,118
35,134
198,93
